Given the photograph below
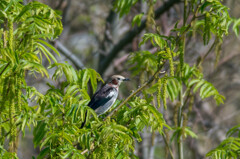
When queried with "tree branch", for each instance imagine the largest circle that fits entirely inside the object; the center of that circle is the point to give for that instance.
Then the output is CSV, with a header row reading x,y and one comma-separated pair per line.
x,y
135,92
130,36
207,53
65,12
59,5
168,147
67,53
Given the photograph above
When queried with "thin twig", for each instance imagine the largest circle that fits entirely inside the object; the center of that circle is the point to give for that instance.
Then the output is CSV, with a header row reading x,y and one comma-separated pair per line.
x,y
180,117
227,58
85,151
207,53
168,147
190,24
135,92
67,53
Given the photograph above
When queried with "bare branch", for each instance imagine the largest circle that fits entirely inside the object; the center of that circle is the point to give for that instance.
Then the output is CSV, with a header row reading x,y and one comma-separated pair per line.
x,y
130,36
75,60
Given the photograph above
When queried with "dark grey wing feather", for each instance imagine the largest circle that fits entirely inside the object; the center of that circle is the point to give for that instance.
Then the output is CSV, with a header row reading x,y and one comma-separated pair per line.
x,y
101,97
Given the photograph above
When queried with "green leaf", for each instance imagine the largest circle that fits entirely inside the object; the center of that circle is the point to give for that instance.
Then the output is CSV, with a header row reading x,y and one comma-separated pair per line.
x,y
189,132
66,137
137,19
205,90
173,87
155,39
50,46
234,130
152,89
198,85
157,115
204,87
27,65
47,53
43,153
123,7
228,148
67,154
94,76
9,5
48,138
39,133
176,133
3,14
23,11
192,82
85,78
235,27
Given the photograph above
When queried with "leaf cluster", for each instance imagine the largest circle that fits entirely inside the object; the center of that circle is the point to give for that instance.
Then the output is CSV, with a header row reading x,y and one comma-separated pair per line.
x,y
228,148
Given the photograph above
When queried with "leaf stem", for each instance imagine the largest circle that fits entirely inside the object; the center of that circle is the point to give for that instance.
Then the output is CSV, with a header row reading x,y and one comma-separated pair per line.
x,y
190,23
168,147
180,117
180,124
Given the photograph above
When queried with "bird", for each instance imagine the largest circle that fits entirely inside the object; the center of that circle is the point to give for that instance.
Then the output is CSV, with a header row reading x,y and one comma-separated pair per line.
x,y
105,97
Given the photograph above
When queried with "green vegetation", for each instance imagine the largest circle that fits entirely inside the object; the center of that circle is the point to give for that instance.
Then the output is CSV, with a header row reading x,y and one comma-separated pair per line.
x,y
57,115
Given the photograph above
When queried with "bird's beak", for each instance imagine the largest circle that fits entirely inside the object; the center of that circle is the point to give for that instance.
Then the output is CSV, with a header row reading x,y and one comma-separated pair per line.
x,y
126,79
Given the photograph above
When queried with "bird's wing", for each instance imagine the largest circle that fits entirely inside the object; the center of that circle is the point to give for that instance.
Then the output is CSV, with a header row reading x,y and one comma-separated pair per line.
x,y
101,97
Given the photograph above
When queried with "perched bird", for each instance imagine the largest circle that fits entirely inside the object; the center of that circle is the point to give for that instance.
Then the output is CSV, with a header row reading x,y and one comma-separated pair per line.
x,y
104,98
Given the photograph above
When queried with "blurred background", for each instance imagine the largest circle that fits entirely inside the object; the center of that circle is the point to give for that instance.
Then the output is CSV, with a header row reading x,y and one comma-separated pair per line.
x,y
93,32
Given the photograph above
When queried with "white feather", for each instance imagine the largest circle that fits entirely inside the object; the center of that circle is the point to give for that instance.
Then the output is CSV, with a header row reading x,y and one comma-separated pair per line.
x,y
112,93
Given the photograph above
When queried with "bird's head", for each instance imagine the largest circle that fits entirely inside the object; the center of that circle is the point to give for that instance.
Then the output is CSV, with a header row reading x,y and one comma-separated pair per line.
x,y
118,79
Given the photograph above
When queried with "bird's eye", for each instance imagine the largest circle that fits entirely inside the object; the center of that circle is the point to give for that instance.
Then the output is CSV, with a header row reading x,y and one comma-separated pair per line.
x,y
118,78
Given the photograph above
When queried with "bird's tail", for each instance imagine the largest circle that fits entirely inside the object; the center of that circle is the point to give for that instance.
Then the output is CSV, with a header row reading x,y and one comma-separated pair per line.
x,y
84,122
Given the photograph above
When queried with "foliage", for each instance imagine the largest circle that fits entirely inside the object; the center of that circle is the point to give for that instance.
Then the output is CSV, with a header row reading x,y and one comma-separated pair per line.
x,y
210,19
228,148
21,51
123,7
62,111
57,115
137,19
